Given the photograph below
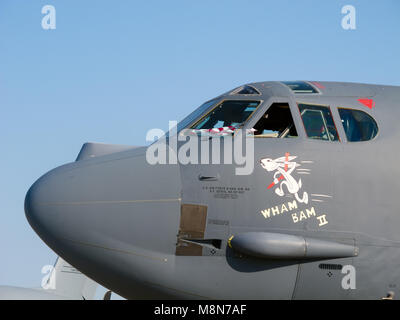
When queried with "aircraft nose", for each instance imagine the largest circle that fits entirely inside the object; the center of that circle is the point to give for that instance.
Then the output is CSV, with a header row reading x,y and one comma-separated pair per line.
x,y
30,209
103,203
37,213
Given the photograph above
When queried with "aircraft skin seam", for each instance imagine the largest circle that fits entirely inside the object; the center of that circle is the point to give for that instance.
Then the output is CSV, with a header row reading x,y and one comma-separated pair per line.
x,y
116,250
144,256
105,202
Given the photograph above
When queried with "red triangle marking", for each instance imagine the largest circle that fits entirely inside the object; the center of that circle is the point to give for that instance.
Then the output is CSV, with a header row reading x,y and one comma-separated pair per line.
x,y
369,103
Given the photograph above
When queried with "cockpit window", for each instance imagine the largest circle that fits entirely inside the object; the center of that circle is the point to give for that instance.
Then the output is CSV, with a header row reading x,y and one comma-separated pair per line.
x,y
246,90
196,114
277,122
318,122
300,87
358,125
230,113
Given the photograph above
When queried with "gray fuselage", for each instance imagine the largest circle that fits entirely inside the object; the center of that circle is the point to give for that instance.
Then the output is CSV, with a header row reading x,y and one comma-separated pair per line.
x,y
162,230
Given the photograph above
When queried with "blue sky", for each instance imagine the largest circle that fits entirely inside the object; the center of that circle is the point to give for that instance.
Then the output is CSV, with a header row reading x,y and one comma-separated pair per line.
x,y
112,70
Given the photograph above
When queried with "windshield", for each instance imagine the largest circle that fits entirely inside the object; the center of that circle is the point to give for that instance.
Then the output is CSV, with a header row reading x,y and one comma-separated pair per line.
x,y
196,114
231,113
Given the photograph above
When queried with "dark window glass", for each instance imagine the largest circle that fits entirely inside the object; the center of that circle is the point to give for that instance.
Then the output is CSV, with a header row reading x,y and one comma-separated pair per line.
x,y
300,87
246,90
358,125
196,114
318,122
277,122
228,113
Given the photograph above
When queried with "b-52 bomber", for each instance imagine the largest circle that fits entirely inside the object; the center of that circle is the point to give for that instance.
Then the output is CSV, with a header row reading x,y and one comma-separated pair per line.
x,y
309,212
